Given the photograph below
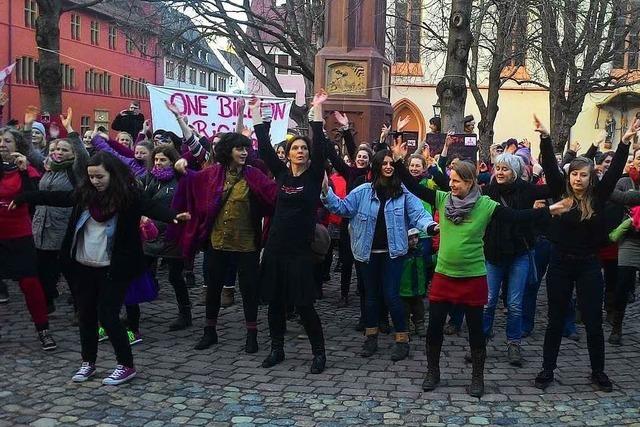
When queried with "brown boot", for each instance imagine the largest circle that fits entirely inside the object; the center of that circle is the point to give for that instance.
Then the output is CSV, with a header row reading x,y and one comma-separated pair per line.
x,y
226,300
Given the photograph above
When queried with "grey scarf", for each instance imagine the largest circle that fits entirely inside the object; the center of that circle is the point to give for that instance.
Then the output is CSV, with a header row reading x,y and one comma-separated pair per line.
x,y
456,209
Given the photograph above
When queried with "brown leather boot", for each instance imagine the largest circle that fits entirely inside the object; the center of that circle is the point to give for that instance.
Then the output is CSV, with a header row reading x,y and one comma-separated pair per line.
x,y
226,300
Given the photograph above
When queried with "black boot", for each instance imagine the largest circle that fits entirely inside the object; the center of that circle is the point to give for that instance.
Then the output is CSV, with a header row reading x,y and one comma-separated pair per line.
x,y
432,379
184,319
478,356
401,347
209,338
277,352
251,345
616,328
370,345
318,362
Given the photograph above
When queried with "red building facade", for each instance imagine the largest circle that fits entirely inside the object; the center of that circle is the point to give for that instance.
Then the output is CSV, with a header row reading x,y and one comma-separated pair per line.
x,y
103,70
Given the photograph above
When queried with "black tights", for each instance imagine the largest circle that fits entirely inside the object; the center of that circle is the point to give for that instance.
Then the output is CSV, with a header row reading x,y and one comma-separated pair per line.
x,y
309,319
438,316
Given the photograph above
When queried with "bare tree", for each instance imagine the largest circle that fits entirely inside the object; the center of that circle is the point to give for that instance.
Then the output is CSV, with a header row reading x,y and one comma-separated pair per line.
x,y
257,29
578,41
452,88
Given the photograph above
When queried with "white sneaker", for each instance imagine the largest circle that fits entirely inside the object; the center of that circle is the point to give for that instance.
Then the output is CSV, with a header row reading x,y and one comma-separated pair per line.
x,y
86,371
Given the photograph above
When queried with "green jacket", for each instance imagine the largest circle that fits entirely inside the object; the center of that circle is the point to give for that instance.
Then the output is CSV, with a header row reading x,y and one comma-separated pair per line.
x,y
413,282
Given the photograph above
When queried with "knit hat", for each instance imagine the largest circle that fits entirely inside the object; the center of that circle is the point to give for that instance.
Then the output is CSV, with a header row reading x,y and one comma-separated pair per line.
x,y
39,127
413,232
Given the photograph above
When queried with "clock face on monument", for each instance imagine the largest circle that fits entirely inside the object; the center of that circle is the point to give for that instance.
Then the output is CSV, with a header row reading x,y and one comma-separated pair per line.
x,y
346,78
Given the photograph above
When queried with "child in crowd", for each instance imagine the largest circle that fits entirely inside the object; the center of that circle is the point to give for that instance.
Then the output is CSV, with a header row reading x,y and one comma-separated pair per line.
x,y
413,284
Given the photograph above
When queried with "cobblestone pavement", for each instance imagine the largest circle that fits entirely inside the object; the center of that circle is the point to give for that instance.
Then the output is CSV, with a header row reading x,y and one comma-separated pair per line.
x,y
225,386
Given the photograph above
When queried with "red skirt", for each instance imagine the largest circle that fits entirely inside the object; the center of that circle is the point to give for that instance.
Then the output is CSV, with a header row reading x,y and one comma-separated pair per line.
x,y
471,291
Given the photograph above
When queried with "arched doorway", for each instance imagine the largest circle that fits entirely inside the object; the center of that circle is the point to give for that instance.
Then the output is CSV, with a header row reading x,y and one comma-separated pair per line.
x,y
416,129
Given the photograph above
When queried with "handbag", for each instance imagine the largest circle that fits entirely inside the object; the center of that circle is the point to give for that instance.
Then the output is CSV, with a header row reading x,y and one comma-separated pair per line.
x,y
320,243
142,289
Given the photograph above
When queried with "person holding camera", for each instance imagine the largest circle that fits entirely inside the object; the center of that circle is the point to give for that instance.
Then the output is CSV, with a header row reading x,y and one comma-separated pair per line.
x,y
130,120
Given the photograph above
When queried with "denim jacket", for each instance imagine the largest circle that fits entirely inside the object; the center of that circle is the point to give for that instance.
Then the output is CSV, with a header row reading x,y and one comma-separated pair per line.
x,y
361,207
84,216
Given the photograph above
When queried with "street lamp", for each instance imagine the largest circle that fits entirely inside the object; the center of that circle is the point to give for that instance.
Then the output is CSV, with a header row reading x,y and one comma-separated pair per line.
x,y
436,109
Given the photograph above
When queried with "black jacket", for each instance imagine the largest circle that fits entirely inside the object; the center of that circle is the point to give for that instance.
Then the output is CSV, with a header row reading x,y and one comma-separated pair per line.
x,y
505,240
130,123
127,258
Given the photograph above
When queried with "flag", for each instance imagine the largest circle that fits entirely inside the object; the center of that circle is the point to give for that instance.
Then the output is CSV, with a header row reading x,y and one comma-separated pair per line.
x,y
4,73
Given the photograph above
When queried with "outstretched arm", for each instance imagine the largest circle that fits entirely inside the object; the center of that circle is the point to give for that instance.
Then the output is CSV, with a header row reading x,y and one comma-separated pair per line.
x,y
399,151
265,149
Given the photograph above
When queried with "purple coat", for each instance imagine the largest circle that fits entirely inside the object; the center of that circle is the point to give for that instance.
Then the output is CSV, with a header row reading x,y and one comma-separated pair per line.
x,y
200,194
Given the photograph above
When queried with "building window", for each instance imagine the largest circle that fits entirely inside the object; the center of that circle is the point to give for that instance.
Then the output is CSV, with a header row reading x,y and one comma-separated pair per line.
x,y
30,13
143,46
407,31
95,33
75,26
192,75
222,84
85,124
68,75
97,82
112,36
26,70
203,79
132,88
283,60
169,69
128,44
181,73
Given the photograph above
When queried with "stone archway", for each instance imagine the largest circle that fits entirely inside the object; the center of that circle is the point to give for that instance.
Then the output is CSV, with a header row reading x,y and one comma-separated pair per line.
x,y
403,108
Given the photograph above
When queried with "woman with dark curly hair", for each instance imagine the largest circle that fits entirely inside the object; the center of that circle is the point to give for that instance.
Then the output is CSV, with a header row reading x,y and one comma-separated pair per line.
x,y
104,250
228,201
17,249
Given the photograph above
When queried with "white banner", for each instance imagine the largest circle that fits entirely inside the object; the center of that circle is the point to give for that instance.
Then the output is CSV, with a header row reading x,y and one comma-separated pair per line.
x,y
213,112
4,73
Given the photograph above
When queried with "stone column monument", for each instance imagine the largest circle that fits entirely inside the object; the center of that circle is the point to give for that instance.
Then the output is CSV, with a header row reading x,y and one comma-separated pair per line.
x,y
352,66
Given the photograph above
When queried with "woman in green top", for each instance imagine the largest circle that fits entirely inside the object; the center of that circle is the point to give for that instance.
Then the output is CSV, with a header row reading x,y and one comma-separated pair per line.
x,y
460,274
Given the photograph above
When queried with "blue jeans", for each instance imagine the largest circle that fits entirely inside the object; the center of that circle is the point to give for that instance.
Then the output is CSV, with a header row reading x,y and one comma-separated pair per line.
x,y
381,278
542,250
515,273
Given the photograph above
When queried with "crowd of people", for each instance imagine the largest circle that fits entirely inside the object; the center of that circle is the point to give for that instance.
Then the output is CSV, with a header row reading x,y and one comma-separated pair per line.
x,y
454,234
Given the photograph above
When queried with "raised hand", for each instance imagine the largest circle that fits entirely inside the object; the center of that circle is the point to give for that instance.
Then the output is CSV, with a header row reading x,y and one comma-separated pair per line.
x,y
246,132
325,185
448,140
181,166
399,149
426,152
384,132
342,119
403,122
66,121
146,126
172,107
631,132
30,115
539,127
319,98
240,104
574,146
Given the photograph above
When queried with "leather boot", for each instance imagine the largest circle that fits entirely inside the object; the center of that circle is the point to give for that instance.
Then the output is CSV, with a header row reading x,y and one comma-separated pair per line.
x,y
478,356
277,352
227,297
184,319
319,361
616,328
370,345
401,348
432,378
209,338
251,344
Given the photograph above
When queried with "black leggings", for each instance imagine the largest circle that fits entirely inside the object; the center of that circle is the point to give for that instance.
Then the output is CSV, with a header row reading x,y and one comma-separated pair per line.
x,y
99,299
438,316
248,266
626,282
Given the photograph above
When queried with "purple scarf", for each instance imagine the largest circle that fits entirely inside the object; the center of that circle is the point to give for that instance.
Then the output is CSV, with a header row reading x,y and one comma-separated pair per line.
x,y
98,214
163,174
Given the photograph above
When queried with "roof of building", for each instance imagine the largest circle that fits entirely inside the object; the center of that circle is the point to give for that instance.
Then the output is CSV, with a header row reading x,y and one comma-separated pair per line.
x,y
235,62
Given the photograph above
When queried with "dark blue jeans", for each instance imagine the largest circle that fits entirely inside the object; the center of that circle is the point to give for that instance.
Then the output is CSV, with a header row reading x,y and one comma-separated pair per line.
x,y
542,250
381,278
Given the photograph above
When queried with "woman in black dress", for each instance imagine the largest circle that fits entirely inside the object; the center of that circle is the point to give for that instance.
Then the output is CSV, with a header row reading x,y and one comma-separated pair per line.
x,y
287,261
